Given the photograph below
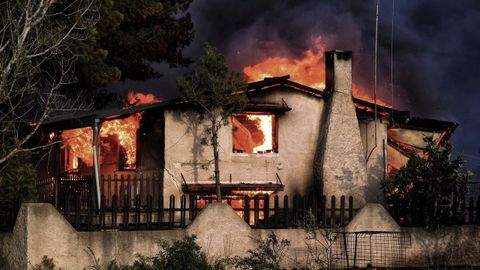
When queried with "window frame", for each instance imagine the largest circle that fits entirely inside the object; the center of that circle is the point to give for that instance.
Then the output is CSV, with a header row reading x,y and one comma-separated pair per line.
x,y
275,118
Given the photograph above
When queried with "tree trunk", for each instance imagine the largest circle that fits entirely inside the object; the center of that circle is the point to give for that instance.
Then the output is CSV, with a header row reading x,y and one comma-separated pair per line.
x,y
215,157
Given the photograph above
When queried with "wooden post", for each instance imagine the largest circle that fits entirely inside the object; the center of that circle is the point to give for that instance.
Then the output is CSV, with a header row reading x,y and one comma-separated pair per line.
x,y
342,210
256,209
114,211
183,209
324,210
125,211
77,212
172,211
246,209
102,212
286,220
266,210
295,210
160,212
137,211
350,208
332,213
149,211
276,220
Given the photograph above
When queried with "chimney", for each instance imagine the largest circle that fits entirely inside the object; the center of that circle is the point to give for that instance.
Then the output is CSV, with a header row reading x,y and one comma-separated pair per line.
x,y
339,165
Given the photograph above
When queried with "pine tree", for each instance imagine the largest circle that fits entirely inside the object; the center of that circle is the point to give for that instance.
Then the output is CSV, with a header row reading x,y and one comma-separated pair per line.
x,y
215,93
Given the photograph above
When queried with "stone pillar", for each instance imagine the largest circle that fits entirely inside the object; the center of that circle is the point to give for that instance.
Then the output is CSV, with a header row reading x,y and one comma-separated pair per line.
x,y
339,166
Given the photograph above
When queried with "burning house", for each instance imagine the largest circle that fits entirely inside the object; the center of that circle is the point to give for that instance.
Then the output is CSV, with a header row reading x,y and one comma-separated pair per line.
x,y
290,139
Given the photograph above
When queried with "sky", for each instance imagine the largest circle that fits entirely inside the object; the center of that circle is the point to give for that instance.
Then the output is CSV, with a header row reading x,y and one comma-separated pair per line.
x,y
436,52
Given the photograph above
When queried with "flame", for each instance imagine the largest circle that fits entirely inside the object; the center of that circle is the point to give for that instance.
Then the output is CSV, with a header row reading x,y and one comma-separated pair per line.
x,y
309,70
80,140
141,98
265,124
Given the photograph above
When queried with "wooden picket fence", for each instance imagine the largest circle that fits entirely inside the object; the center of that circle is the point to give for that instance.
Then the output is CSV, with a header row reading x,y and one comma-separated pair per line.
x,y
160,214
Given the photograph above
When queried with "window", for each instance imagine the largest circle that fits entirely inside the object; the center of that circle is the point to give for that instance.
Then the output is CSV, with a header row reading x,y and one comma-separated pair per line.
x,y
254,133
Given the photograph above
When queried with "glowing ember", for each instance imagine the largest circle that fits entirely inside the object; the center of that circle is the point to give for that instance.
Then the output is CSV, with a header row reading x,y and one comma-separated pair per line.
x,y
264,122
79,141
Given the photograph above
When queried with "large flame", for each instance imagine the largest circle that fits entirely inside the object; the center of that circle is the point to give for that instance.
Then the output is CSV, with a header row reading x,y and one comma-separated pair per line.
x,y
79,141
309,70
265,125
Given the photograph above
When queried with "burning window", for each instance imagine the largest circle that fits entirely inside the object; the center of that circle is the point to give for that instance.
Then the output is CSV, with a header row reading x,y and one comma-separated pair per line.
x,y
254,133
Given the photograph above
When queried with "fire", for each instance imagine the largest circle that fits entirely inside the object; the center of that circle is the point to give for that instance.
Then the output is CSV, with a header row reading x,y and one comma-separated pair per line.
x,y
79,141
308,70
141,98
264,122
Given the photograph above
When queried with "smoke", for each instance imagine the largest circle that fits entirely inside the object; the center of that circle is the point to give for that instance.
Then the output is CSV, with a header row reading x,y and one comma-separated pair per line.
x,y
435,49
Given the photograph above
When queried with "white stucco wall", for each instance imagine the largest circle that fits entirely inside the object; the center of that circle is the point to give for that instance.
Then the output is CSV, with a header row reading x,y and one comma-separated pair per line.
x,y
297,139
376,156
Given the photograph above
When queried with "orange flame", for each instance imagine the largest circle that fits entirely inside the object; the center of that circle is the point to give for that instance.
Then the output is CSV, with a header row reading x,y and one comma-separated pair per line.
x,y
265,125
308,70
79,141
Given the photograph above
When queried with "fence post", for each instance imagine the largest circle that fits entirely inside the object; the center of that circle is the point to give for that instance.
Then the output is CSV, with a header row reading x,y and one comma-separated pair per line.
x,y
149,211
266,210
125,211
332,213
160,211
137,211
114,211
102,212
90,206
324,210
342,210
350,208
256,209
313,204
122,190
295,210
286,220
191,206
77,212
246,210
183,209
172,211
276,220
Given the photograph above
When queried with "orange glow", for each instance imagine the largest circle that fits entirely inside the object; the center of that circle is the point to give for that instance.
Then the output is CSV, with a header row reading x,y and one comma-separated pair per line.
x,y
308,70
79,141
251,193
265,125
140,98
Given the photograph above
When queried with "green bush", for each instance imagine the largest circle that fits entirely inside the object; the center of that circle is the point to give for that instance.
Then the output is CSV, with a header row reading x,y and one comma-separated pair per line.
x,y
429,190
182,254
268,254
46,264
17,185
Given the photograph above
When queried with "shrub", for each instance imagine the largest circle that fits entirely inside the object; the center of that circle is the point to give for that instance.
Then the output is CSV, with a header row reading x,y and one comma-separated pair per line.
x,y
46,264
268,254
182,254
17,185
429,190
